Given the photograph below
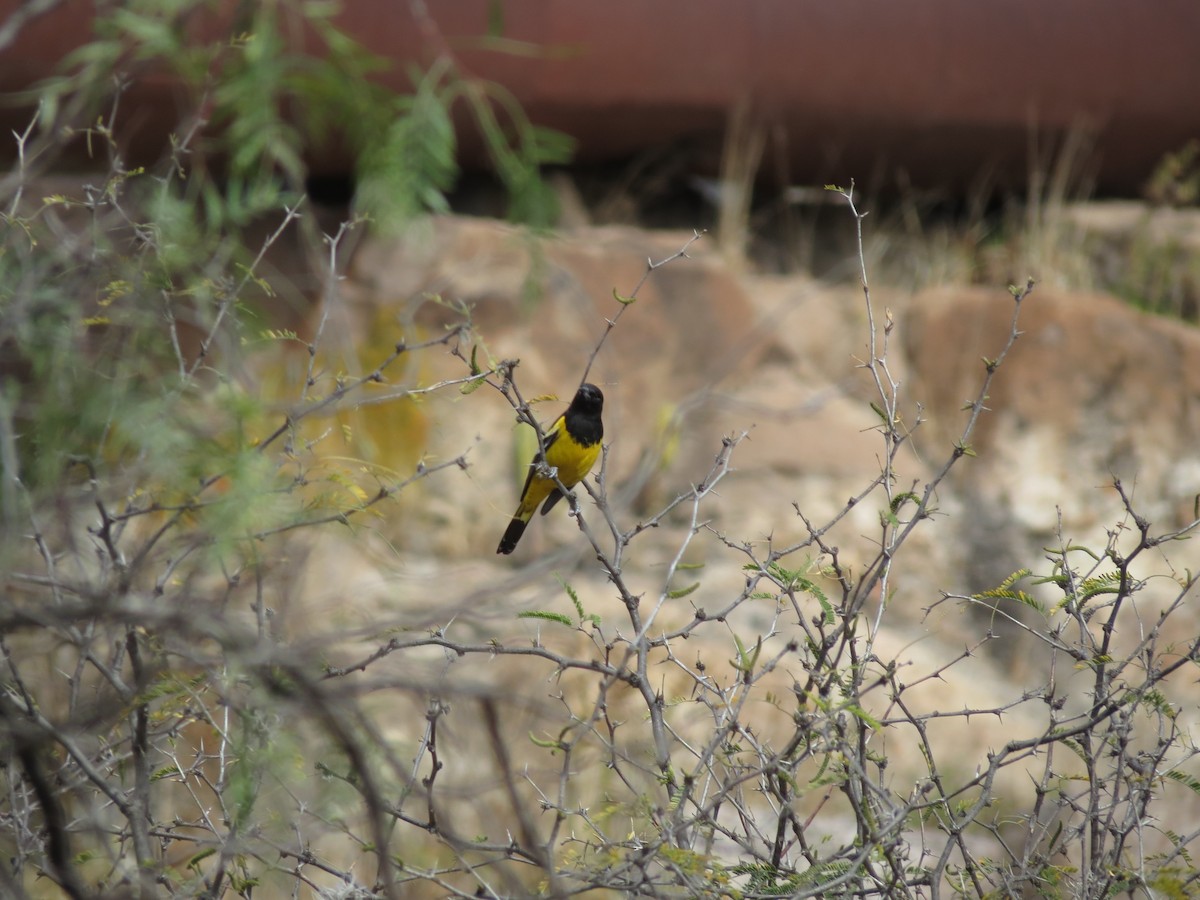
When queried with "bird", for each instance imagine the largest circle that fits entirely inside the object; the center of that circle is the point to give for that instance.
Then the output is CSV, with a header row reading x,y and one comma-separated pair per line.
x,y
571,446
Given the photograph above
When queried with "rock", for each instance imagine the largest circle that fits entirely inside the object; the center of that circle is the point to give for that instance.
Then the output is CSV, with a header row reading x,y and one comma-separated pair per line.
x,y
545,301
1092,390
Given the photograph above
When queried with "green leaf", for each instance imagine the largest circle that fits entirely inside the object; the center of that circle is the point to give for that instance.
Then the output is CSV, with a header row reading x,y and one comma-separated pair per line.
x,y
578,604
547,616
201,856
242,884
822,872
1106,583
746,660
1018,596
864,716
827,607
495,19
1015,577
682,592
796,580
1075,748
1006,591
547,744
1159,703
1183,778
473,385
411,167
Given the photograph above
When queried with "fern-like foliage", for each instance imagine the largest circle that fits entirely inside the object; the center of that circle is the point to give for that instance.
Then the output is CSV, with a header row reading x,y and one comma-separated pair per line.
x,y
1006,591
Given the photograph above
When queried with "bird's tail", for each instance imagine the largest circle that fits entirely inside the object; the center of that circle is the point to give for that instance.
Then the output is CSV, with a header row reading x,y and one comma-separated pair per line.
x,y
512,534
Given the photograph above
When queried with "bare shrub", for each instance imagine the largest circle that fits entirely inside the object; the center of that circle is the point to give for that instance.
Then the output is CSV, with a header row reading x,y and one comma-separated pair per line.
x,y
734,731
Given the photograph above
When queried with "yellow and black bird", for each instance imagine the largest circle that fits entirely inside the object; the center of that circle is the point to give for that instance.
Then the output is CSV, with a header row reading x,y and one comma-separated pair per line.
x,y
572,445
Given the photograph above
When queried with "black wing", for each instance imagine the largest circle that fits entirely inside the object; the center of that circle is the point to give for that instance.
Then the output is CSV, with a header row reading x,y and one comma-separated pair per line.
x,y
538,457
555,496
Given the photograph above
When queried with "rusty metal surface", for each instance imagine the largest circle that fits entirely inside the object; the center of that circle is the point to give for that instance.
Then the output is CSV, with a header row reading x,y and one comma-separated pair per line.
x,y
941,89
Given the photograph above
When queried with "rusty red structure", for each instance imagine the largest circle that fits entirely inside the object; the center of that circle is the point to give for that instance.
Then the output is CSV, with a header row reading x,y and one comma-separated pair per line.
x,y
937,89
